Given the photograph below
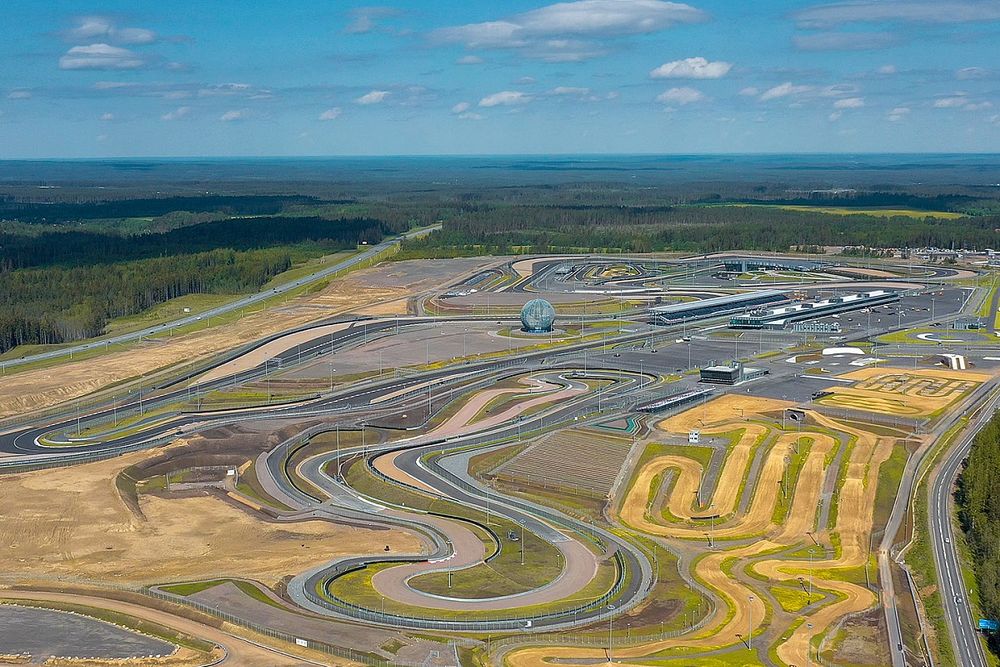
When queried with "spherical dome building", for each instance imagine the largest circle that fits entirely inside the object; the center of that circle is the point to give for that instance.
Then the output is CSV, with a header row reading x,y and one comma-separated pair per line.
x,y
537,316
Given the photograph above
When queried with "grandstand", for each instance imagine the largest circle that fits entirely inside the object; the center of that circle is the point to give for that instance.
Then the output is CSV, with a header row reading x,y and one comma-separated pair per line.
x,y
676,400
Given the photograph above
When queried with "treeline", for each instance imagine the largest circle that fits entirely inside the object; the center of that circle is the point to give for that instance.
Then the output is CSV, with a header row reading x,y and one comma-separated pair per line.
x,y
72,248
69,212
979,514
60,304
946,202
518,229
60,286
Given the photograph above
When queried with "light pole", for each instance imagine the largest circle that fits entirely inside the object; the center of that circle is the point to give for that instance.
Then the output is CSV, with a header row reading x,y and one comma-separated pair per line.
x,y
338,451
522,542
712,511
611,622
750,623
810,575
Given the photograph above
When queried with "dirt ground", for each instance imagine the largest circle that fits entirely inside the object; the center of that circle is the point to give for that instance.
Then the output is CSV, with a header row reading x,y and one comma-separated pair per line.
x,y
903,392
382,288
745,604
72,522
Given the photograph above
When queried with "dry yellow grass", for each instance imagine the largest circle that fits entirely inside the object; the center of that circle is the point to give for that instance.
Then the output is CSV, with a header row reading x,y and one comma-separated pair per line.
x,y
853,527
72,522
378,290
916,393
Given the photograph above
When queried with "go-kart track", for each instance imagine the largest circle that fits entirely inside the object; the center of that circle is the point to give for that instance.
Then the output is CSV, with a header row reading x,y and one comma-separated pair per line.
x,y
753,542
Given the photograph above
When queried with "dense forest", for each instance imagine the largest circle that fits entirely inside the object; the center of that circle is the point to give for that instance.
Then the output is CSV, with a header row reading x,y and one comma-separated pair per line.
x,y
77,255
513,229
61,213
60,283
58,304
85,248
979,513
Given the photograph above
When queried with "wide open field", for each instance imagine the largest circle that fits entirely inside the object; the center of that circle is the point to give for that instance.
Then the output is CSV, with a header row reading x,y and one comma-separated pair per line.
x,y
72,522
904,393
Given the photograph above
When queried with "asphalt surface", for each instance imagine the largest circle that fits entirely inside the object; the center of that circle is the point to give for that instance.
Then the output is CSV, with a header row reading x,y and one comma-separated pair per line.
x,y
954,596
458,486
352,261
44,633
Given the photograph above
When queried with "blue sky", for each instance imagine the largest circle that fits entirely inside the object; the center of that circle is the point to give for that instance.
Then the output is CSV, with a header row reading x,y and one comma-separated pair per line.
x,y
307,77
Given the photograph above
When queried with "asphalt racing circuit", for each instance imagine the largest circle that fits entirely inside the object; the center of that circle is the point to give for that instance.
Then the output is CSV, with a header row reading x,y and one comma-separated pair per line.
x,y
571,504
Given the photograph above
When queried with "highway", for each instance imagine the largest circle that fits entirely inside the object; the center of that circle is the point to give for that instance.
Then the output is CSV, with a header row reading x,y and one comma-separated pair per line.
x,y
350,262
954,596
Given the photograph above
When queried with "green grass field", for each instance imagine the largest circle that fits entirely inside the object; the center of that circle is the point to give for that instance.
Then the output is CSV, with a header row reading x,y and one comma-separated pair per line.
x,y
877,212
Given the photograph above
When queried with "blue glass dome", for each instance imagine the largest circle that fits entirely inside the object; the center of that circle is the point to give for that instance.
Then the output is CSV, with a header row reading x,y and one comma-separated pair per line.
x,y
537,316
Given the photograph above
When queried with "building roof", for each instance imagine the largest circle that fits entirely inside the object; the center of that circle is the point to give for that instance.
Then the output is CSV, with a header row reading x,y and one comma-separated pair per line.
x,y
717,301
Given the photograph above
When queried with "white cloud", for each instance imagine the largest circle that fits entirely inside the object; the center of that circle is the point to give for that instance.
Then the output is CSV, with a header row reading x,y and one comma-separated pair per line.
x,y
783,90
103,28
691,68
366,19
330,114
683,95
569,90
838,90
844,41
469,60
461,107
961,100
107,116
897,114
373,97
19,95
849,103
470,115
554,32
915,11
972,73
749,91
236,114
835,115
951,102
995,119
886,70
100,56
176,114
505,98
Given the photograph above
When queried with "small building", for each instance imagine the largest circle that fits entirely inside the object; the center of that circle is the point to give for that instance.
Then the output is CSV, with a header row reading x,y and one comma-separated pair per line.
x,y
967,323
955,362
747,264
721,374
816,327
734,373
